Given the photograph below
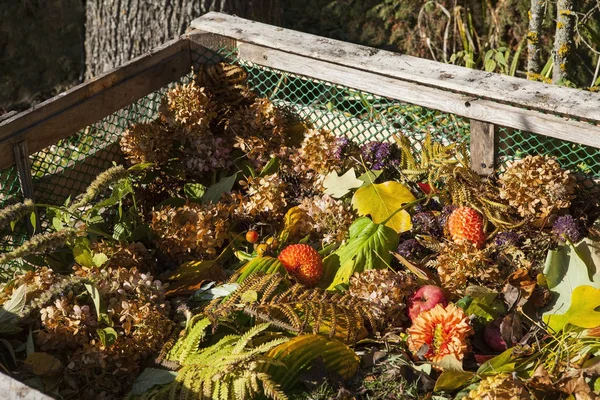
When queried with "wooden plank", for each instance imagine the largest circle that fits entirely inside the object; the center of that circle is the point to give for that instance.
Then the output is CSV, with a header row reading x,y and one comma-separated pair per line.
x,y
482,147
477,84
426,96
12,389
65,114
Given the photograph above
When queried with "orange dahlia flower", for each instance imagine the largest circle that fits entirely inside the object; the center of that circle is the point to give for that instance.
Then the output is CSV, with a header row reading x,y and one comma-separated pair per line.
x,y
443,329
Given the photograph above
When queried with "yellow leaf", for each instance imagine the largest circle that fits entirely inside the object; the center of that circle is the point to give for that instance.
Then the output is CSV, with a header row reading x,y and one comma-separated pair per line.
x,y
190,276
292,219
382,200
582,312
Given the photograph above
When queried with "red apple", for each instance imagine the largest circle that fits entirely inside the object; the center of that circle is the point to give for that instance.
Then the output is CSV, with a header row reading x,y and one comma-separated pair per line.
x,y
424,299
493,336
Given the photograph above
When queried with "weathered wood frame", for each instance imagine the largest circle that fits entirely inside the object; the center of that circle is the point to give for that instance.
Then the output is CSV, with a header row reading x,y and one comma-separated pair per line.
x,y
487,99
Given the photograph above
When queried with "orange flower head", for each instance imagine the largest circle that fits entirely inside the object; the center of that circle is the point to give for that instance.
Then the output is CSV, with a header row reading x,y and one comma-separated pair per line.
x,y
303,263
466,224
443,329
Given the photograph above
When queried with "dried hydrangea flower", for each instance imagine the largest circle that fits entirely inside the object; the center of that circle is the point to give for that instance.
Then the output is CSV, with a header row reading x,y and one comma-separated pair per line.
x,y
187,107
386,291
138,313
127,255
329,219
537,187
444,330
461,264
264,197
147,142
258,130
207,154
191,231
566,227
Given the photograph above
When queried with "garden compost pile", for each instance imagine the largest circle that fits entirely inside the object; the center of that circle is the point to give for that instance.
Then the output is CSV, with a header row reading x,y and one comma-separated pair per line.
x,y
244,253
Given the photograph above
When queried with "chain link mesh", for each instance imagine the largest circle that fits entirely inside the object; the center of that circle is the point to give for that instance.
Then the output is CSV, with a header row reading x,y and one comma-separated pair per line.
x,y
66,168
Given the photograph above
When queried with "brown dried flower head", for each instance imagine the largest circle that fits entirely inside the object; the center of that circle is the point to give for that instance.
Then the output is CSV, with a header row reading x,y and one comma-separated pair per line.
x,y
187,106
191,231
386,291
462,264
265,197
536,186
329,219
149,142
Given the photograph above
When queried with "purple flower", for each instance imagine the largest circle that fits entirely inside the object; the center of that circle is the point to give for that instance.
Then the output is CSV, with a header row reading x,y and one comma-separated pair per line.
x,y
380,155
446,211
507,239
566,227
426,223
412,250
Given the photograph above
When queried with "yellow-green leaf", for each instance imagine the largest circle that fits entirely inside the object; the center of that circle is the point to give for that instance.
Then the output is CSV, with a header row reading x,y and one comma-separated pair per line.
x,y
190,276
267,265
582,312
381,201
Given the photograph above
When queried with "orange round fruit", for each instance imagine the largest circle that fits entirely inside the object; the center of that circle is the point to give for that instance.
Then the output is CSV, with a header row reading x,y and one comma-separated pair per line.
x,y
252,236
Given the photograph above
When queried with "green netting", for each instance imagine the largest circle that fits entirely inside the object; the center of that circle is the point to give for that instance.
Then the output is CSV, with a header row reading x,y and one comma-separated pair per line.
x,y
66,168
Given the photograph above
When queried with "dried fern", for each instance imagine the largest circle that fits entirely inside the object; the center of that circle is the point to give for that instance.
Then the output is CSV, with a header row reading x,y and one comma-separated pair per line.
x,y
297,308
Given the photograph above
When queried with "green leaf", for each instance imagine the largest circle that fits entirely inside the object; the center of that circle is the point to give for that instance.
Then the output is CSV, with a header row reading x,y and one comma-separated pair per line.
x,y
249,296
484,303
453,376
96,298
210,293
151,377
267,265
82,252
33,221
500,59
271,167
568,268
338,186
194,191
368,247
99,259
582,312
382,201
298,354
107,336
214,192
370,176
10,309
122,231
497,365
140,167
490,65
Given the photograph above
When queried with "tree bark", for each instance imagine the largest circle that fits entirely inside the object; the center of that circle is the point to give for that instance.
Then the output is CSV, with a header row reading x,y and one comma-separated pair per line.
x,y
563,40
119,30
534,48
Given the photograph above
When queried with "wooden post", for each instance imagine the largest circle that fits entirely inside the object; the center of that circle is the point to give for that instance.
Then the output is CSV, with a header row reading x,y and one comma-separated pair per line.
x,y
21,153
483,147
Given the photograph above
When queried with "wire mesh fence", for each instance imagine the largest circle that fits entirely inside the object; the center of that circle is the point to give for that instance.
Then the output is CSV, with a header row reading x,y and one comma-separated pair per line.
x,y
66,168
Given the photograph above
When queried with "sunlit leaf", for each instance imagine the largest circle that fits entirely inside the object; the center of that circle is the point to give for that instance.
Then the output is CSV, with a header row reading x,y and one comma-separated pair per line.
x,y
107,336
368,247
338,186
190,276
568,268
582,311
96,298
215,292
502,363
266,265
453,376
194,191
99,259
381,201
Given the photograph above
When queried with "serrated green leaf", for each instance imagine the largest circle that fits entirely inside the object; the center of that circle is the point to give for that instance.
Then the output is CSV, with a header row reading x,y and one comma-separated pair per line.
x,y
338,186
151,377
108,336
194,191
368,247
214,192
382,201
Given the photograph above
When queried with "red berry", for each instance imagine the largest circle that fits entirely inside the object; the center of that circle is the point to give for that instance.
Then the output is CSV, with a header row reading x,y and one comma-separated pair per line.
x,y
303,263
252,236
466,224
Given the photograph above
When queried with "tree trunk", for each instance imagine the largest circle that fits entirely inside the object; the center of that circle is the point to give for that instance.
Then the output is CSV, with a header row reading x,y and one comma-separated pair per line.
x,y
563,41
119,30
534,48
